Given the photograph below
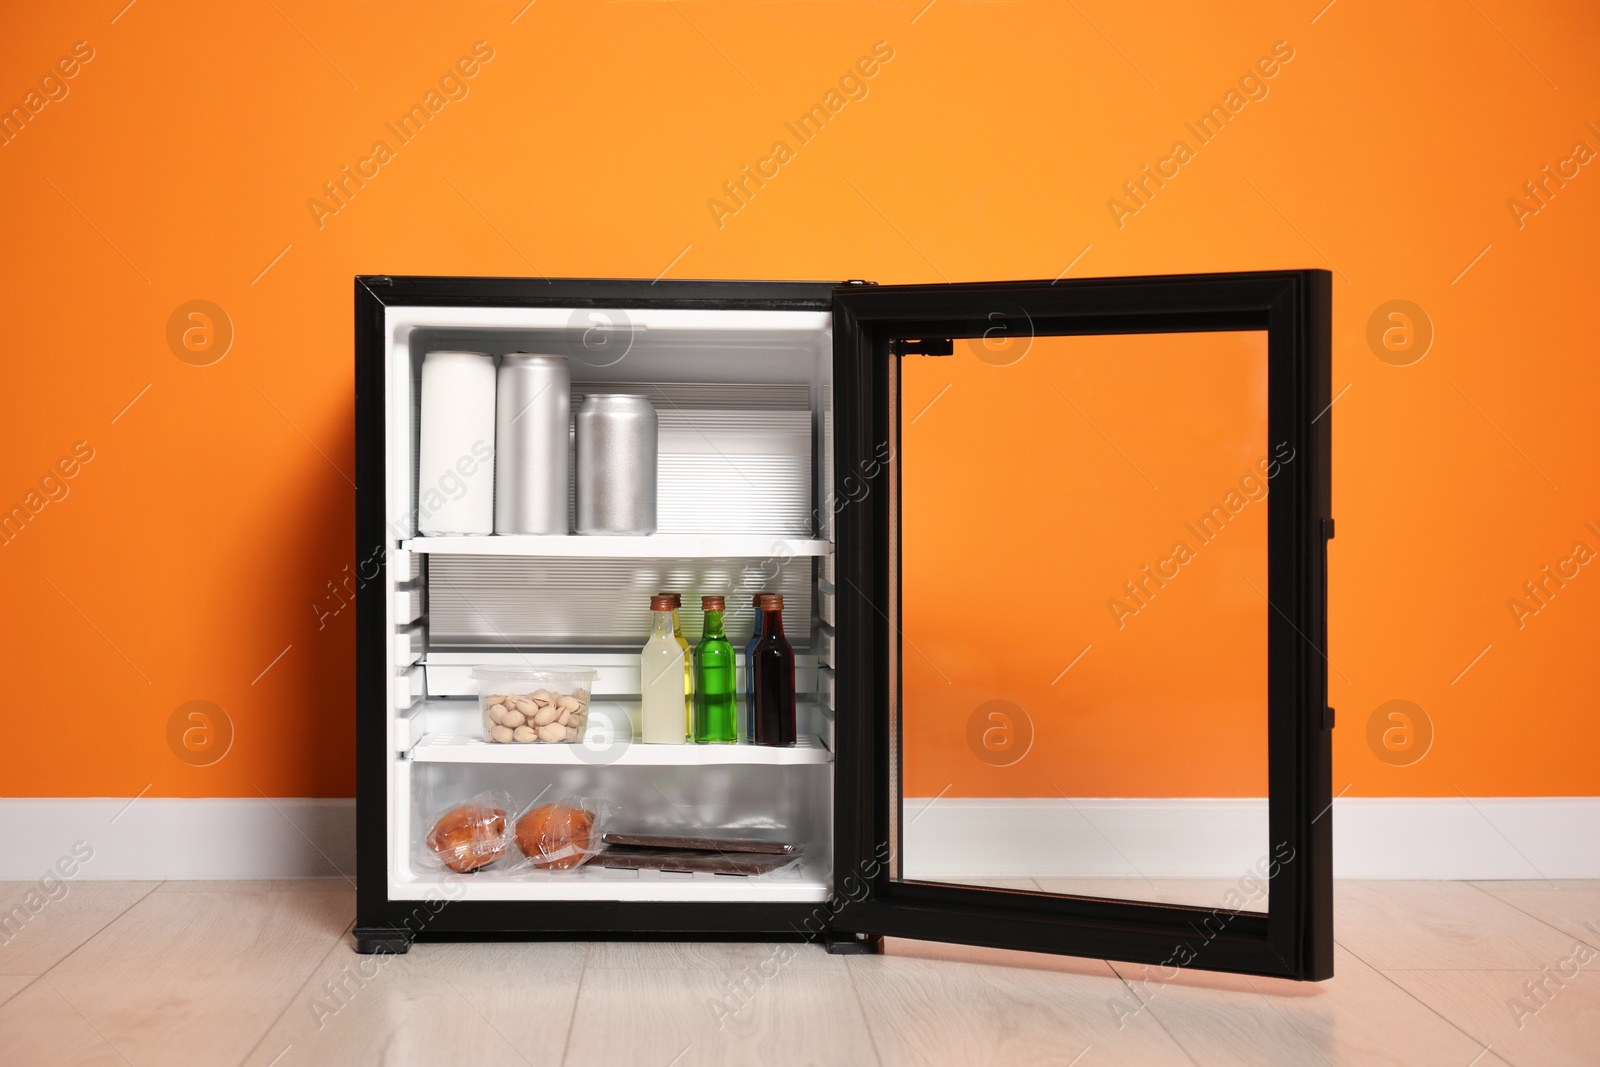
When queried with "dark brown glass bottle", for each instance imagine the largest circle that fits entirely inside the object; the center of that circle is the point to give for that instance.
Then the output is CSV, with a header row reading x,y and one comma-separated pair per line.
x,y
773,663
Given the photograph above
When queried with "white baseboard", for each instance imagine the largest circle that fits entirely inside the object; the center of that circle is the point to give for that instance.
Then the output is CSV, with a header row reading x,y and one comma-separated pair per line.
x,y
180,839
1053,837
1373,837
1400,837
1453,837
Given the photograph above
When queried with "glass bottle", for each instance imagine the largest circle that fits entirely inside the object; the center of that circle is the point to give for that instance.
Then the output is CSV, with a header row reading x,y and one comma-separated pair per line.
x,y
774,670
749,723
716,710
688,663
661,679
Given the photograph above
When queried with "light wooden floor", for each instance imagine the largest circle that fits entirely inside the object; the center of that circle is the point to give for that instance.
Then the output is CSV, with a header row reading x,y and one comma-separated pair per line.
x,y
261,973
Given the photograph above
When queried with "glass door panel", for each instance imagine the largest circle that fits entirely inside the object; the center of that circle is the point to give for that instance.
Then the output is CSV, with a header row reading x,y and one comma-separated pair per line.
x,y
1083,537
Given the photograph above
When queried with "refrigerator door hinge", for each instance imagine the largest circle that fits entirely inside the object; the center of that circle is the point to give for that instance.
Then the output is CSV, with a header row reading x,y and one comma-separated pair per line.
x,y
839,943
1327,718
1327,529
921,346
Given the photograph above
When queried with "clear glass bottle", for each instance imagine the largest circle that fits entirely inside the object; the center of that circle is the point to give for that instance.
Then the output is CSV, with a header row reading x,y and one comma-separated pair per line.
x,y
688,663
774,670
661,680
716,710
748,724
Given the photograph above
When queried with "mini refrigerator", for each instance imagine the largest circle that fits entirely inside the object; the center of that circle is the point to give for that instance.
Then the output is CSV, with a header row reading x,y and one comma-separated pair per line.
x,y
1054,564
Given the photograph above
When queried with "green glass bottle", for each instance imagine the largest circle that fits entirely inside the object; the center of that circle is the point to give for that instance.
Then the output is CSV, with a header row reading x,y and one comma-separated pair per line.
x,y
716,702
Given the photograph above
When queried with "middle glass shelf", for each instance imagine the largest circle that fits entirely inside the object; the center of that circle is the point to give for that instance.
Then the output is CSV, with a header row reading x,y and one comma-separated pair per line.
x,y
448,748
446,731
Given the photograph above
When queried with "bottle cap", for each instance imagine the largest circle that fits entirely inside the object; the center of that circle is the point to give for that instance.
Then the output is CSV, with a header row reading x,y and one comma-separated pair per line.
x,y
661,602
713,603
769,602
676,598
755,601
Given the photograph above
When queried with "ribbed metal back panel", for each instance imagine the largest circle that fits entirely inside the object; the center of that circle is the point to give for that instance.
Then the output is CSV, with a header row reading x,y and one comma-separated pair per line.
x,y
730,398
733,458
486,602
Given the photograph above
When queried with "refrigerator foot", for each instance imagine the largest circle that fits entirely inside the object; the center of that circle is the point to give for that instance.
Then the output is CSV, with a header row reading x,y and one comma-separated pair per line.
x,y
839,943
374,940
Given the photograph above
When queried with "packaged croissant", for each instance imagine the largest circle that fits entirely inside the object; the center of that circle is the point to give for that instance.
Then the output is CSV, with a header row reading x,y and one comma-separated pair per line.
x,y
469,836
562,835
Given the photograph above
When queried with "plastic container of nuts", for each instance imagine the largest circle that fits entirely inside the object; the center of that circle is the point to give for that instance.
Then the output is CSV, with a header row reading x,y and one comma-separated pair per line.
x,y
530,705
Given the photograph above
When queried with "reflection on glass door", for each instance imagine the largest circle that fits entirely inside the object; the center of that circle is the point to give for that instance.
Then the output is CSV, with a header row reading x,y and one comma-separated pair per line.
x,y
1083,610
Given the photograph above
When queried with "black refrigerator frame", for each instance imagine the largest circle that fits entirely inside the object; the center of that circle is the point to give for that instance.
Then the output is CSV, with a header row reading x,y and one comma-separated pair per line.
x,y
871,325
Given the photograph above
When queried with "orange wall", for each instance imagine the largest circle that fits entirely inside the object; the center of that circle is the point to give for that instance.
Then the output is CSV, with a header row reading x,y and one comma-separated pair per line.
x,y
1026,673
190,553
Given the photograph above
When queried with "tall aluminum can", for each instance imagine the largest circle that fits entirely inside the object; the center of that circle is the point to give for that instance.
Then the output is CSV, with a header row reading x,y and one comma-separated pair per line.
x,y
616,465
533,405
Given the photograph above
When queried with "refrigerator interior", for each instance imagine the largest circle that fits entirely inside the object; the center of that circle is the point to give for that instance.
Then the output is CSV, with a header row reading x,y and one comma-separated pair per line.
x,y
744,506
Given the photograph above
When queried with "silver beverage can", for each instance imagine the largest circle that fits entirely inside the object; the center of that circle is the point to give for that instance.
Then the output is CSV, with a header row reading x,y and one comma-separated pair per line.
x,y
533,405
616,468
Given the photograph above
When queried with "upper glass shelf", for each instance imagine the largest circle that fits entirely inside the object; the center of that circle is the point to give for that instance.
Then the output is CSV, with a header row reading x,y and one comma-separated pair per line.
x,y
656,546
